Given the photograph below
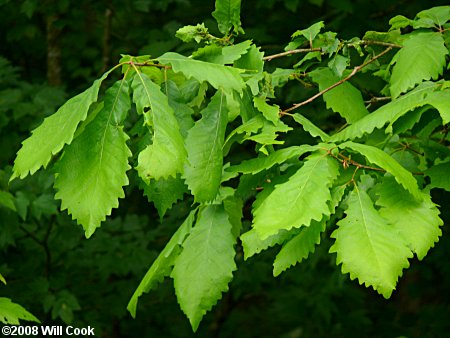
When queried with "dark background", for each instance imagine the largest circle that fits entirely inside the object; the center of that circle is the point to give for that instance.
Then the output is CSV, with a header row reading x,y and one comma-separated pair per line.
x,y
51,50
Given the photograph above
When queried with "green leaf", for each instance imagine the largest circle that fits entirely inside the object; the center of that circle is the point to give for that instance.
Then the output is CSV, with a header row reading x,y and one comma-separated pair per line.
x,y
268,111
92,171
383,160
417,222
56,131
299,247
439,175
433,17
228,16
311,32
300,200
310,127
206,264
302,244
421,58
189,33
387,113
162,266
7,200
252,60
204,143
222,55
269,134
164,193
217,75
253,244
352,108
166,155
368,247
441,101
11,313
255,165
2,279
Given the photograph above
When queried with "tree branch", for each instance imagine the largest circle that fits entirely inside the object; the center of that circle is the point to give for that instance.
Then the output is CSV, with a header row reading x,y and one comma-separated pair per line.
x,y
290,52
354,71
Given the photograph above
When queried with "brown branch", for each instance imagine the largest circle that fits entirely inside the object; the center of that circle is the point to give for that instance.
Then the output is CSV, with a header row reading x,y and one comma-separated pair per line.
x,y
354,71
290,52
379,43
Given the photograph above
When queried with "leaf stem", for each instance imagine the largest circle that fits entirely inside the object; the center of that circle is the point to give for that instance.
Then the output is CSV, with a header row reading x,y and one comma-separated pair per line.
x,y
290,52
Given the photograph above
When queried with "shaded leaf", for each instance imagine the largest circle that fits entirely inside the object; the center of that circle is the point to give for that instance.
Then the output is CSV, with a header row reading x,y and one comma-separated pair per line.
x,y
162,266
310,127
255,165
439,175
205,266
387,113
203,172
417,222
380,158
164,192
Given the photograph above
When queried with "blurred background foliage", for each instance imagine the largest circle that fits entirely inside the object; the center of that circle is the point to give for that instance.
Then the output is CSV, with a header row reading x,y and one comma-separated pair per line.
x,y
51,50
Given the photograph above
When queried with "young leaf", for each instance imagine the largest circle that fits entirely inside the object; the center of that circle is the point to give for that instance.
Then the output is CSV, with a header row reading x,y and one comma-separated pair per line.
x,y
368,247
439,175
56,131
222,55
217,75
255,165
417,222
166,155
352,108
311,32
92,171
268,111
311,127
164,192
421,58
387,113
11,313
380,158
228,16
162,266
252,60
204,143
206,264
300,200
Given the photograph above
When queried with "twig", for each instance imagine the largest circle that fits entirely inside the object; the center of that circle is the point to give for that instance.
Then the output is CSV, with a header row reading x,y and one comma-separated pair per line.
x,y
379,43
354,71
290,52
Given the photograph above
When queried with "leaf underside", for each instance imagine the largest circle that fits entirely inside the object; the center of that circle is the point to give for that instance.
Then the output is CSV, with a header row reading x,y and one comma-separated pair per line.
x,y
205,266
